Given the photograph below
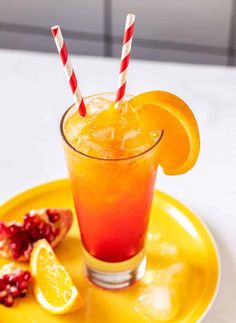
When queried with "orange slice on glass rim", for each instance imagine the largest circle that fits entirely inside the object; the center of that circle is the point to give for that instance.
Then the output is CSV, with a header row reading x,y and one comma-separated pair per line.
x,y
53,286
180,144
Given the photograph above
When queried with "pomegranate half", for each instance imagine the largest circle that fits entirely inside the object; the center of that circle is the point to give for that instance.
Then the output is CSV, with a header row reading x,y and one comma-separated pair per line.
x,y
17,239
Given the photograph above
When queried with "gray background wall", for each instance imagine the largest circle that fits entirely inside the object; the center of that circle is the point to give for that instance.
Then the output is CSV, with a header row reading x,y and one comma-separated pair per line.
x,y
193,31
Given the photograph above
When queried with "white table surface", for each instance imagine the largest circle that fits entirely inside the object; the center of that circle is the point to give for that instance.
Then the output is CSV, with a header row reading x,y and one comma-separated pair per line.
x,y
34,93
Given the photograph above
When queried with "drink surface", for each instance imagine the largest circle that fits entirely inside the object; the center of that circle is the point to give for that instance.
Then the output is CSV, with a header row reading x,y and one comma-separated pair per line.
x,y
109,133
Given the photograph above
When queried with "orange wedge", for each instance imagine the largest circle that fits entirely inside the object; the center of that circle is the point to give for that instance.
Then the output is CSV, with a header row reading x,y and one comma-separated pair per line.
x,y
53,286
180,145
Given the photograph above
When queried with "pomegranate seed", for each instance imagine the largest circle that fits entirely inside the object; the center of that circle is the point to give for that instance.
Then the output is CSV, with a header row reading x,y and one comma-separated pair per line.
x,y
41,225
13,279
26,275
47,230
53,215
8,300
13,229
16,254
8,286
2,285
27,225
3,228
6,278
22,284
14,291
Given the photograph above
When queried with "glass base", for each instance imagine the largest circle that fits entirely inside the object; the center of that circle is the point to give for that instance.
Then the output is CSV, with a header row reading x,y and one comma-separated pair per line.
x,y
115,275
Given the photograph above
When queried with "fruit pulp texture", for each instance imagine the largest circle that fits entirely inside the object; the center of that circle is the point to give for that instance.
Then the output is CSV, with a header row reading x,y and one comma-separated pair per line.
x,y
113,192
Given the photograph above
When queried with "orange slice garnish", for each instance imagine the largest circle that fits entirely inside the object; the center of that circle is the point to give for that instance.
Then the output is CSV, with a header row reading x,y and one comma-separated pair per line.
x,y
180,145
53,286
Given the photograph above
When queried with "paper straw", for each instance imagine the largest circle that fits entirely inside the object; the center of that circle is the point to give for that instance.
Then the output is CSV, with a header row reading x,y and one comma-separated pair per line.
x,y
69,71
125,57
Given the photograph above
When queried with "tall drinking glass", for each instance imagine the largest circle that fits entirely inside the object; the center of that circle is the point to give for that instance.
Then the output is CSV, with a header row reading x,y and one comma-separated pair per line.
x,y
112,199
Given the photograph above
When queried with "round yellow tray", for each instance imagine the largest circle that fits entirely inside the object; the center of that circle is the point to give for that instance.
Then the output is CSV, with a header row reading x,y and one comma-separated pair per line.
x,y
171,225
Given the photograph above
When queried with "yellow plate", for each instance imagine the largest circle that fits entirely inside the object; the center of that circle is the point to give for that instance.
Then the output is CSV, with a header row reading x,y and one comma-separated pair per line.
x,y
173,229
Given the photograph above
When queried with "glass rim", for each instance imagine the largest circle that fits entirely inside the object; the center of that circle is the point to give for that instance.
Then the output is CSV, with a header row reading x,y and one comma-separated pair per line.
x,y
100,158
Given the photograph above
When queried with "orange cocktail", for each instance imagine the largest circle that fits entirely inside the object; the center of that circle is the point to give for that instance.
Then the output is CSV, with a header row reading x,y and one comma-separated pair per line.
x,y
112,162
112,156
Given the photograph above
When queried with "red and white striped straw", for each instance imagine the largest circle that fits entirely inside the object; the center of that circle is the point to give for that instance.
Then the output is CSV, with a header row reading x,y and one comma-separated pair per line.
x,y
125,57
69,71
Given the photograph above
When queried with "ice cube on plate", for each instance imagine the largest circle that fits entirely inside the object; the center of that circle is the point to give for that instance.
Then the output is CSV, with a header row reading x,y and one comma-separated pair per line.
x,y
176,275
159,303
167,251
165,291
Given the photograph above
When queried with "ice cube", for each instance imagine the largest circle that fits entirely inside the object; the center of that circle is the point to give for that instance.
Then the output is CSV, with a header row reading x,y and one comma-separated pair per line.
x,y
97,105
159,303
134,139
130,134
167,251
135,142
165,292
73,126
175,275
129,119
88,146
178,268
167,248
103,134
